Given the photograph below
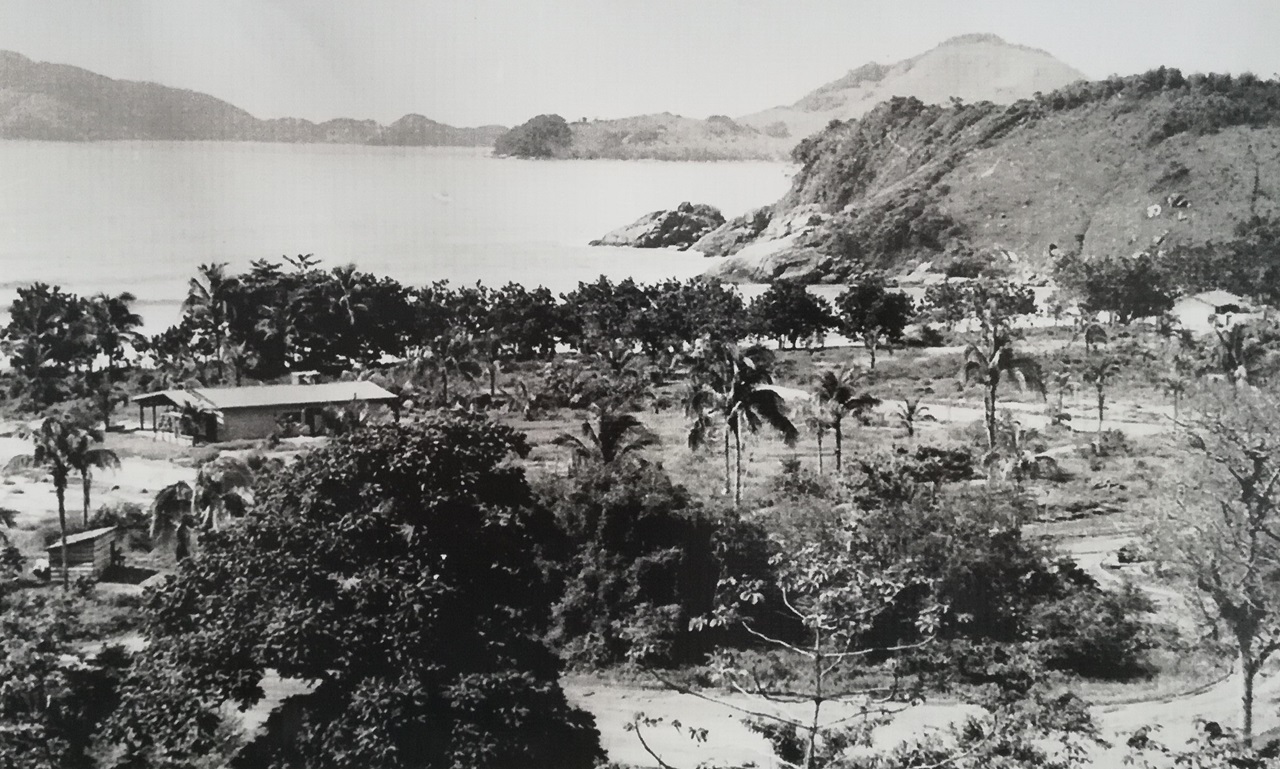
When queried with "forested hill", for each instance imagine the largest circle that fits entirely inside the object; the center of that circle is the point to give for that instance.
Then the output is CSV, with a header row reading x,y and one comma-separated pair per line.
x,y
57,102
1103,168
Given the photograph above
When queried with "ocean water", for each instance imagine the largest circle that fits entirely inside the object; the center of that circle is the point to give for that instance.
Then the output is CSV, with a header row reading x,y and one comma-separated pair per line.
x,y
140,216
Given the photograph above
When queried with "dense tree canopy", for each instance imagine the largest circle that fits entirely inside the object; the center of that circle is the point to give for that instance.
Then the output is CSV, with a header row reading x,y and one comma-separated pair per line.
x,y
398,570
788,313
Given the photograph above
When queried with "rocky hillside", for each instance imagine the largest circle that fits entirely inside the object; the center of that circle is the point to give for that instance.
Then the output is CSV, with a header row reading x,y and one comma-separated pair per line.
x,y
970,68
63,103
1095,168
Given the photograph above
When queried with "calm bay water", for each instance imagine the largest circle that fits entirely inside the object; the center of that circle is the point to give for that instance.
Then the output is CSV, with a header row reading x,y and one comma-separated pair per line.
x,y
140,216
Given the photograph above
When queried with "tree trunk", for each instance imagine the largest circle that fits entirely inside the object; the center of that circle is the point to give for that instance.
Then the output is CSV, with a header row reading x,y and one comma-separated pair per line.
x,y
61,491
1101,406
737,486
728,473
871,347
990,404
86,479
819,452
1250,669
839,447
444,386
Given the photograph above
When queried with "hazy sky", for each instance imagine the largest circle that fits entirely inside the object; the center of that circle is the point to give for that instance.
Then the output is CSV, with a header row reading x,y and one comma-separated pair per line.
x,y
469,62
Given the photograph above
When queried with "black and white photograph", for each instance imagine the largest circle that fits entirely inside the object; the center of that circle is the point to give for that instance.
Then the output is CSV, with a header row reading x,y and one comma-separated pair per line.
x,y
594,384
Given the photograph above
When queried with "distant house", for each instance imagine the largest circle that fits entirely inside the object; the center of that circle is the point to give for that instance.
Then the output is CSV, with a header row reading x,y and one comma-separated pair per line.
x,y
1200,312
238,413
89,553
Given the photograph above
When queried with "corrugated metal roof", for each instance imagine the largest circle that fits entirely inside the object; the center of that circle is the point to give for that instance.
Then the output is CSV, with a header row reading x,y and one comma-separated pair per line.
x,y
83,536
268,395
178,398
292,395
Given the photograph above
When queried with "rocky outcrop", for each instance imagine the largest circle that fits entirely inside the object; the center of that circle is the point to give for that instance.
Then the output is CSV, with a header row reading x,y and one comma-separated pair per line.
x,y
730,237
679,228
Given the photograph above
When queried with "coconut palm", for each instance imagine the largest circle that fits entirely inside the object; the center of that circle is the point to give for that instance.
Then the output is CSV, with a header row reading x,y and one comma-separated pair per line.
x,y
173,517
607,438
53,443
702,406
737,386
1098,373
992,362
819,422
86,454
910,412
840,398
209,302
115,325
1062,384
223,489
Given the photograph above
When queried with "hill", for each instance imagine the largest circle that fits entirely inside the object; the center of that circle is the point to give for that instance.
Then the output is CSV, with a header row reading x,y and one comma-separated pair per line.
x,y
1104,168
58,102
970,67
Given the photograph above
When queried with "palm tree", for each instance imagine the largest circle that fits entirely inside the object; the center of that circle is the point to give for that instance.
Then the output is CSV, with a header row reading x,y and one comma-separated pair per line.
x,y
209,301
702,406
1175,386
53,444
86,454
839,396
1062,384
173,517
910,412
819,422
988,364
607,438
750,401
1238,352
1098,373
224,488
115,325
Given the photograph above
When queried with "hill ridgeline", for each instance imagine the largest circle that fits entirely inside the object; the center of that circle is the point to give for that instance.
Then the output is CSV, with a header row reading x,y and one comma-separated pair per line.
x,y
57,102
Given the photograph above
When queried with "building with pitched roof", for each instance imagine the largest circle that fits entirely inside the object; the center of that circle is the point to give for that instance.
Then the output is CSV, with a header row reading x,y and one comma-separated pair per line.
x,y
238,413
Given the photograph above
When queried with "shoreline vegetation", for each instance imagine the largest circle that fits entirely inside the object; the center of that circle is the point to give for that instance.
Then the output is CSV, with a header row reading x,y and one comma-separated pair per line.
x,y
609,448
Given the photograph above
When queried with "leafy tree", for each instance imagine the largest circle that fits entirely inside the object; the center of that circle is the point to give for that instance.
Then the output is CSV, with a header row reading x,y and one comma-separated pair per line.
x,y
641,564
607,437
788,313
873,314
56,694
602,315
398,570
48,337
1220,531
839,396
1140,286
952,302
223,489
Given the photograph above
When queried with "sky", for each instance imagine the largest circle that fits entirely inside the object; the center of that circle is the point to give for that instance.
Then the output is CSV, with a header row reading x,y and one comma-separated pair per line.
x,y
475,62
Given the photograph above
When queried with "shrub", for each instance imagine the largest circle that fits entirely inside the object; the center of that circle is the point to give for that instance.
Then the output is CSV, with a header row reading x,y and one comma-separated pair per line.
x,y
1096,633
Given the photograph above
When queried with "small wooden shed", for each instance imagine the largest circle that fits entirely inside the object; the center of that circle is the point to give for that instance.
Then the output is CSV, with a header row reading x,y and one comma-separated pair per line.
x,y
89,553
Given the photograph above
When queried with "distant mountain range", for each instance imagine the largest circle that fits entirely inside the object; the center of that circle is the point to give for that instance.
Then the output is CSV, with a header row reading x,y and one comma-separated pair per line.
x,y
58,102
970,68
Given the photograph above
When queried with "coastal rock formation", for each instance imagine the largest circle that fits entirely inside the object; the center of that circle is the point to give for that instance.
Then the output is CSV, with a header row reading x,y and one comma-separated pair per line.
x,y
679,228
730,237
911,182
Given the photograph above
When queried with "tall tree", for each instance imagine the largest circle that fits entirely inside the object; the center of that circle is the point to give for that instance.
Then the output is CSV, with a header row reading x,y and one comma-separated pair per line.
x,y
173,517
873,314
53,443
208,303
788,313
223,489
992,361
115,326
840,397
85,453
1099,373
1220,532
